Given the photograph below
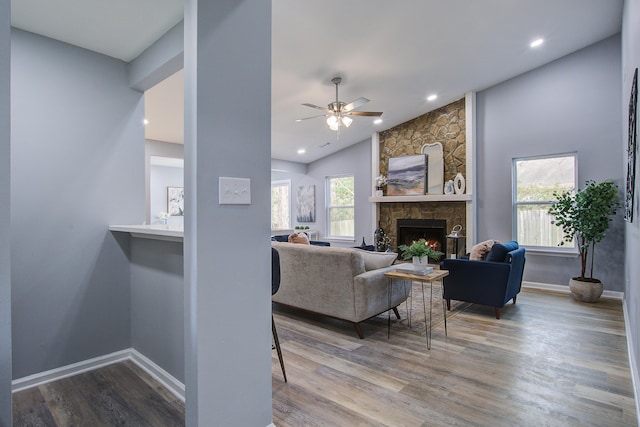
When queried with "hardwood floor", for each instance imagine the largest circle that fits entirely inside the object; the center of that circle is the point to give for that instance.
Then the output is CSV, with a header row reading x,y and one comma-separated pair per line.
x,y
549,361
121,394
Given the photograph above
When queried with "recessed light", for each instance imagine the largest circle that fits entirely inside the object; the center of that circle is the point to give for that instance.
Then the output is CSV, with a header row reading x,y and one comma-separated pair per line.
x,y
298,120
145,122
432,97
377,121
536,42
302,151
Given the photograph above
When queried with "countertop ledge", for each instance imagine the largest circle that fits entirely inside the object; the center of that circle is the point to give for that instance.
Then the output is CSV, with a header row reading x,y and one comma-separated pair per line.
x,y
170,233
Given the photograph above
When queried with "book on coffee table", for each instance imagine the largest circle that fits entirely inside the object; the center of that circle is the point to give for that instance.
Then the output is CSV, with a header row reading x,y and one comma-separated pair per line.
x,y
413,269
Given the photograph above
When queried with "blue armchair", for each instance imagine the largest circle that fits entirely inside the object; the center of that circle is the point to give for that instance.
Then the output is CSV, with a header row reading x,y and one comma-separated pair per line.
x,y
492,282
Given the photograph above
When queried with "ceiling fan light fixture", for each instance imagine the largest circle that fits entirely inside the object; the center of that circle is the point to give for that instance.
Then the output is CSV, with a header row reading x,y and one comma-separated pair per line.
x,y
347,121
333,122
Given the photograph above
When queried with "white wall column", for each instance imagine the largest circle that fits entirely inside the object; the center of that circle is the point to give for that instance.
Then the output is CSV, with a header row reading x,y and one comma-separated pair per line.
x,y
227,246
470,137
5,219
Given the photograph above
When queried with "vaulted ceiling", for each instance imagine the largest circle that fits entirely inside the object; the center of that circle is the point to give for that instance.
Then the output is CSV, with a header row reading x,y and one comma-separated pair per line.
x,y
395,53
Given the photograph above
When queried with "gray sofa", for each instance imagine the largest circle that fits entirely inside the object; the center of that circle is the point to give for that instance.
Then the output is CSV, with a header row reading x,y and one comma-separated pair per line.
x,y
334,282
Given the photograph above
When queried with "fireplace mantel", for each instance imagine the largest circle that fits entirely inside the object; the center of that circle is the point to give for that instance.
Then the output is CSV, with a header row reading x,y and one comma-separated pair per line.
x,y
425,198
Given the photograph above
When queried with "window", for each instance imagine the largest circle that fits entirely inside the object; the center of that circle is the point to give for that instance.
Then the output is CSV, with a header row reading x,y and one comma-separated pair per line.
x,y
280,205
340,206
535,181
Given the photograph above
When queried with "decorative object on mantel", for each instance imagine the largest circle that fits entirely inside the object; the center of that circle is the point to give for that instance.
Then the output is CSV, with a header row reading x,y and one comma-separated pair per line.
x,y
419,252
381,181
585,216
459,183
435,167
407,175
379,239
631,150
448,187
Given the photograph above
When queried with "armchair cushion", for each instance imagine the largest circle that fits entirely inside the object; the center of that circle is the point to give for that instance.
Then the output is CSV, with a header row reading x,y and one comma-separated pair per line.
x,y
499,251
481,250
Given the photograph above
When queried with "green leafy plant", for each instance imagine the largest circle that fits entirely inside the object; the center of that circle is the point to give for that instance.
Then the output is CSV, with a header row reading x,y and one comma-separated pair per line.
x,y
585,216
419,248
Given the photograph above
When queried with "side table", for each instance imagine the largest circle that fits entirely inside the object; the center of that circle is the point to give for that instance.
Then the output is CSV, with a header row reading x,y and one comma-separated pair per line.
x,y
422,279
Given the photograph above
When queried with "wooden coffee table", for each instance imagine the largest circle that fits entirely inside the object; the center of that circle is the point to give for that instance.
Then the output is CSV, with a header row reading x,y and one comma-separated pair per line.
x,y
435,275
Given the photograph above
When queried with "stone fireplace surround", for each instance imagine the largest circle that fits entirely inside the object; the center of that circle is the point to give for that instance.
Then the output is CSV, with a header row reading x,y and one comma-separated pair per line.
x,y
451,212
446,125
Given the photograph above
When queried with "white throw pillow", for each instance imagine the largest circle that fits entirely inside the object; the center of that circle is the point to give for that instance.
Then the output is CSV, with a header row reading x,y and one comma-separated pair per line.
x,y
376,260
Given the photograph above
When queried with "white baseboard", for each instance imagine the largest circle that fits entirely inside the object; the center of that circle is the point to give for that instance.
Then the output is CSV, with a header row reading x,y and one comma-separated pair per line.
x,y
565,289
159,374
68,371
635,374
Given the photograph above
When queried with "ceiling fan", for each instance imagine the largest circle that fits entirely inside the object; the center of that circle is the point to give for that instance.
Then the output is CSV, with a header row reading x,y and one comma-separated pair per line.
x,y
338,112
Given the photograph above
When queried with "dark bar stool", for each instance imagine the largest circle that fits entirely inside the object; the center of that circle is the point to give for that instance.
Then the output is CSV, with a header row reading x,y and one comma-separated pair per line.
x,y
275,285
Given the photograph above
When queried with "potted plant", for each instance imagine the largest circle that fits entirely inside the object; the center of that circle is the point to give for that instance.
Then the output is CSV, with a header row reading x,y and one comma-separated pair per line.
x,y
420,252
584,217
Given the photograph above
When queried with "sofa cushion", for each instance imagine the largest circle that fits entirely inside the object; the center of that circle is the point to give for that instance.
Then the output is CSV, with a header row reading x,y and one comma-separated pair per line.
x,y
298,238
376,260
499,251
479,252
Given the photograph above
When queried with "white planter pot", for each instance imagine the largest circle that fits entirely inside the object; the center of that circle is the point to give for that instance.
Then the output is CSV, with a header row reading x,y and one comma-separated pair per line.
x,y
585,291
421,262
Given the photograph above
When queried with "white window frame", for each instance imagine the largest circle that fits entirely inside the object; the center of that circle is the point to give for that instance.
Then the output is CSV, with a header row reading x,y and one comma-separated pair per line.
x,y
283,183
328,208
547,250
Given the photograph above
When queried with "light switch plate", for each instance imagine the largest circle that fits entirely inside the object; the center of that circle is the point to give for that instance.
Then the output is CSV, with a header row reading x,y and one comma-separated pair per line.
x,y
234,191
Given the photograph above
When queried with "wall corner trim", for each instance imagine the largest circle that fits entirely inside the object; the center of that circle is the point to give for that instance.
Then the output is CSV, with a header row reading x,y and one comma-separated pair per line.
x,y
635,374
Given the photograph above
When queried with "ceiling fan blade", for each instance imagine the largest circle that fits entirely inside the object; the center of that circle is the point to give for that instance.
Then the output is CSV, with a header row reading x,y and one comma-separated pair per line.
x,y
355,104
312,117
317,107
365,113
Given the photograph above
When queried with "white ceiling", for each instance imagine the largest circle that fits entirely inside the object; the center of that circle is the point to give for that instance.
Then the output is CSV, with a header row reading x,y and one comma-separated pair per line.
x,y
395,53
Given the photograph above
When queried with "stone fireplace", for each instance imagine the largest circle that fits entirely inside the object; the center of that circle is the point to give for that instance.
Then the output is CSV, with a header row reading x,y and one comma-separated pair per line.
x,y
446,213
432,230
446,125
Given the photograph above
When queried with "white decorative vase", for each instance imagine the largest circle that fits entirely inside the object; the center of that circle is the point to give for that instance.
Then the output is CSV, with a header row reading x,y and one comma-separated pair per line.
x,y
585,291
379,193
459,183
421,262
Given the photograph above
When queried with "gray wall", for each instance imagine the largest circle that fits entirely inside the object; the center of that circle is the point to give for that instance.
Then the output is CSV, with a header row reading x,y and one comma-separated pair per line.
x,y
226,248
5,270
77,166
355,160
572,104
631,61
157,303
160,60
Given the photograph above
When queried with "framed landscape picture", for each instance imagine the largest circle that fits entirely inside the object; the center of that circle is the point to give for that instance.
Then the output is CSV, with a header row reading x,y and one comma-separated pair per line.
x,y
407,175
175,201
